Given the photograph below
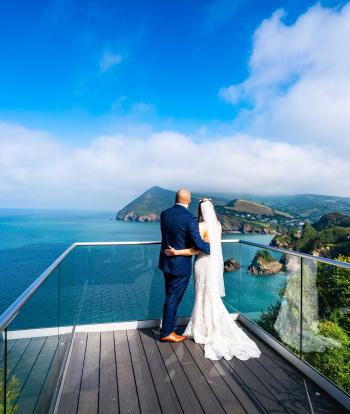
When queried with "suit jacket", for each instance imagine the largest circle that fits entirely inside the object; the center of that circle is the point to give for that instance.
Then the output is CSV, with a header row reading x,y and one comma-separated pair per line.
x,y
180,230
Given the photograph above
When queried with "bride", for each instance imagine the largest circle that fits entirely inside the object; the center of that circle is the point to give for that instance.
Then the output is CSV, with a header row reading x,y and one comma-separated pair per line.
x,y
211,324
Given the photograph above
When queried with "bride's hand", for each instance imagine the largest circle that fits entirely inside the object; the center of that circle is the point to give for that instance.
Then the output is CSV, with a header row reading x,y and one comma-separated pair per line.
x,y
205,237
170,252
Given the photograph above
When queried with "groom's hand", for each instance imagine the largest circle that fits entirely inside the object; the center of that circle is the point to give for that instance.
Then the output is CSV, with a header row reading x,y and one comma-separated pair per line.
x,y
170,251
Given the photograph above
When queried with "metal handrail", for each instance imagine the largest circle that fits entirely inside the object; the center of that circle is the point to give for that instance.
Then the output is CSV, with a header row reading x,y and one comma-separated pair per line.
x,y
130,243
12,311
299,254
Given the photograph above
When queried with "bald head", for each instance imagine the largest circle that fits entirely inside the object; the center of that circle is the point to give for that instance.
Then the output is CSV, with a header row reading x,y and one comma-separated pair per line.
x,y
183,196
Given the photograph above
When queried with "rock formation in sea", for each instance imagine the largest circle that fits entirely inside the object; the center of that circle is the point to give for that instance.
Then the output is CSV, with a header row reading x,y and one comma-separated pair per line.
x,y
264,264
231,265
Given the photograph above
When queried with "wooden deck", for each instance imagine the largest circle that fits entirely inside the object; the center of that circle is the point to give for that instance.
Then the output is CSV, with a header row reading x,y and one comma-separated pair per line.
x,y
132,372
33,364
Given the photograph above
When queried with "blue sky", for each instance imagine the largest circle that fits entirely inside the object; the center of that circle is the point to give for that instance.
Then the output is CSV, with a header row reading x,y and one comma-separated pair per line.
x,y
203,71
174,57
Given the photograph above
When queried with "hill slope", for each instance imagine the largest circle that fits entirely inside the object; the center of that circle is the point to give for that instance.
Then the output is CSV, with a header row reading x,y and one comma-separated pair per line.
x,y
328,237
250,207
308,206
148,206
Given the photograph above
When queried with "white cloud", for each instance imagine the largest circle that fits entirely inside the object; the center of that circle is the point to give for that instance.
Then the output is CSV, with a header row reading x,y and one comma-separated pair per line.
x,y
296,139
109,60
298,88
38,170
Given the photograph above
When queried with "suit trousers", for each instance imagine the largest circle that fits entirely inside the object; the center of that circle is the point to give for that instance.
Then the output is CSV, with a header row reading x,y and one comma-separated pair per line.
x,y
175,287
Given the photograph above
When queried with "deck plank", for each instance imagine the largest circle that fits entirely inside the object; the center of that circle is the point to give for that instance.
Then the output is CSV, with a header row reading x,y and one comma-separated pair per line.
x,y
293,400
71,389
14,357
148,399
204,393
166,394
131,371
10,344
108,400
291,378
26,363
187,397
65,341
50,382
261,392
128,398
227,399
239,388
37,376
89,389
46,393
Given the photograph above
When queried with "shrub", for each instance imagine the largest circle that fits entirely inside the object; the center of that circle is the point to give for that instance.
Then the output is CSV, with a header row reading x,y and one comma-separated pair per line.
x,y
265,255
11,394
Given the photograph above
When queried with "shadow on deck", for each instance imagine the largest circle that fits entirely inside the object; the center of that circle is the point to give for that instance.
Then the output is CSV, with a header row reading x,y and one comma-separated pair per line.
x,y
131,372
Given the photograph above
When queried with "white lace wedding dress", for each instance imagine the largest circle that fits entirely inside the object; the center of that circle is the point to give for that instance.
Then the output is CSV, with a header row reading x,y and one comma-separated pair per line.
x,y
211,324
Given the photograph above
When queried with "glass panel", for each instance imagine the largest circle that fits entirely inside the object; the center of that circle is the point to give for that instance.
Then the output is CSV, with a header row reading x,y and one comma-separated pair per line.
x,y
270,293
114,284
32,351
70,293
2,370
232,275
103,284
326,320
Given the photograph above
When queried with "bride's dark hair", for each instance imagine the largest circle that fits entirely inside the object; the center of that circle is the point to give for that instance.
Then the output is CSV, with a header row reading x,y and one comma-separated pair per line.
x,y
200,215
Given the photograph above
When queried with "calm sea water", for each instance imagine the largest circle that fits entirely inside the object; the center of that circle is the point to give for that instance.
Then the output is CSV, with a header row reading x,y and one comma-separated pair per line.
x,y
105,284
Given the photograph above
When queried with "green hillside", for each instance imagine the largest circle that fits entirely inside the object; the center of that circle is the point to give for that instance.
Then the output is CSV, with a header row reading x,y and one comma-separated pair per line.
x,y
241,216
327,237
253,214
254,208
304,206
148,206
310,206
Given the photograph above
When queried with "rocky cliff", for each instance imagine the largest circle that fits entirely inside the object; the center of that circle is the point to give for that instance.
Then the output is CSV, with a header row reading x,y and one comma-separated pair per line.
x,y
264,264
148,206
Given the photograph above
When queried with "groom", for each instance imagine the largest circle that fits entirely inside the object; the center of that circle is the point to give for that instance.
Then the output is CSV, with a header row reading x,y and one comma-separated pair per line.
x,y
180,230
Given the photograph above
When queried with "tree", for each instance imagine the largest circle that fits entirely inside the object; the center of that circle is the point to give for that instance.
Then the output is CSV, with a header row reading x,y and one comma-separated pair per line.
x,y
265,255
11,394
333,286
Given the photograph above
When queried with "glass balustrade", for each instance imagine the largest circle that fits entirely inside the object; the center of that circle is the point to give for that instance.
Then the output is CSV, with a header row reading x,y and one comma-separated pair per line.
x,y
2,370
105,284
326,320
270,293
32,350
232,261
302,303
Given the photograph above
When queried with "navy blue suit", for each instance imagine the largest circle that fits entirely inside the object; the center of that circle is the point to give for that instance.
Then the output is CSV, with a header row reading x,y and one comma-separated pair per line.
x,y
180,230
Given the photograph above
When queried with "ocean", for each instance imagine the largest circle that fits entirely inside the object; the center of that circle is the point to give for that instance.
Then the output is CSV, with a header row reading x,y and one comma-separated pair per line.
x,y
106,284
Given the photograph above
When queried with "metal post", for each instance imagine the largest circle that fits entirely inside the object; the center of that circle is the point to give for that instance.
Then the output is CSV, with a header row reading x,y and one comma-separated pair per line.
x,y
58,319
301,307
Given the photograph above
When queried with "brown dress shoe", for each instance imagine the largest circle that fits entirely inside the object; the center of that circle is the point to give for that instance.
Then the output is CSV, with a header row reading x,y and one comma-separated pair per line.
x,y
173,337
